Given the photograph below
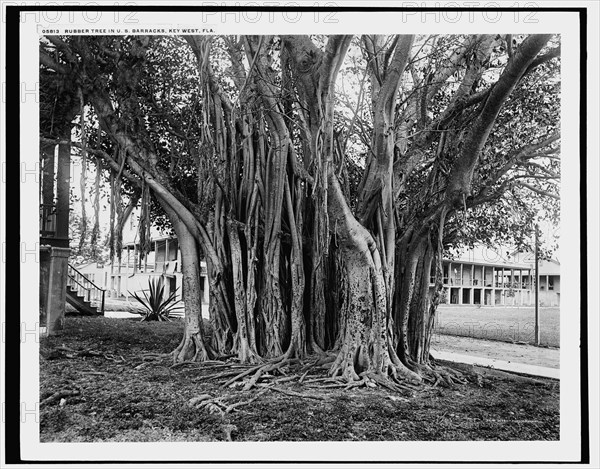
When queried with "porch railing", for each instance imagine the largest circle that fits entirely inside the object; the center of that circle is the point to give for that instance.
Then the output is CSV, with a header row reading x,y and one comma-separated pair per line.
x,y
85,288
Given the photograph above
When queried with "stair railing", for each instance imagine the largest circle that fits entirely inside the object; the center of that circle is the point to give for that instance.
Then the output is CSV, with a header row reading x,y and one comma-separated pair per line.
x,y
85,288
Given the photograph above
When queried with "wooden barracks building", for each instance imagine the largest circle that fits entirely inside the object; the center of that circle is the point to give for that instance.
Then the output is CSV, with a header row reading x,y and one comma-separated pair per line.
x,y
486,277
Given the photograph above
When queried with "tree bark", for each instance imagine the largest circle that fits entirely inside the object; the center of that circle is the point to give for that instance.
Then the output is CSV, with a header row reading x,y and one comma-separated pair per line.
x,y
245,342
366,347
192,346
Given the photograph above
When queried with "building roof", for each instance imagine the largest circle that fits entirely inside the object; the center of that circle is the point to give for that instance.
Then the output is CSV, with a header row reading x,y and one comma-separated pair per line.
x,y
505,257
551,267
495,257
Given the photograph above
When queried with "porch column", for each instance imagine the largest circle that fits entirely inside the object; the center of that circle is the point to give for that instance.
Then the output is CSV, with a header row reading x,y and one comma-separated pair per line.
x,y
63,188
53,288
493,302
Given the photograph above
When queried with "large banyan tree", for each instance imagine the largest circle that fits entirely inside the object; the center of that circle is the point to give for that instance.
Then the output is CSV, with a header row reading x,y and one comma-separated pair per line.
x,y
321,178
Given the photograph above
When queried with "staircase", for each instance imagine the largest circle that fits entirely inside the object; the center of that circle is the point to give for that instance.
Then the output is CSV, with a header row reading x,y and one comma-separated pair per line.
x,y
83,294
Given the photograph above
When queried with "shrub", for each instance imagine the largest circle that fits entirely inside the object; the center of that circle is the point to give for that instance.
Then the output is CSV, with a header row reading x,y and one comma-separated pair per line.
x,y
157,308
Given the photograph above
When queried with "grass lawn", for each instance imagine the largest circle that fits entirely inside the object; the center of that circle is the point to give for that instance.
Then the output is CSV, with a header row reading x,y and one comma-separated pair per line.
x,y
111,388
114,304
496,323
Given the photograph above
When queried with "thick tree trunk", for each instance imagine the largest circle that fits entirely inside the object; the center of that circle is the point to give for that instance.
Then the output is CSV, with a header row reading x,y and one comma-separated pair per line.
x,y
416,297
272,304
418,329
276,329
192,346
408,256
221,312
297,346
245,343
318,279
251,233
366,348
218,310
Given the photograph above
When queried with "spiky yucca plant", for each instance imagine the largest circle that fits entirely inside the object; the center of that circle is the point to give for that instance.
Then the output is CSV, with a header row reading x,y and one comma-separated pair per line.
x,y
158,309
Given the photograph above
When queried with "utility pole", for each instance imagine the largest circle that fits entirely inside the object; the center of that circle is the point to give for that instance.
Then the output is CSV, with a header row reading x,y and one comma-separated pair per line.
x,y
537,289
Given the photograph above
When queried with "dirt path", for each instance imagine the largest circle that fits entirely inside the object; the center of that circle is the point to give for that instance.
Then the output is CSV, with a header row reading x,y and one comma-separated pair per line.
x,y
516,353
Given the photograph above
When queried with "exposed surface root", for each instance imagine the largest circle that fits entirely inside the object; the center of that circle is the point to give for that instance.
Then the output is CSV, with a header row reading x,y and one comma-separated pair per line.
x,y
278,364
154,356
287,392
246,354
59,395
191,348
67,352
219,404
353,367
442,375
386,382
309,373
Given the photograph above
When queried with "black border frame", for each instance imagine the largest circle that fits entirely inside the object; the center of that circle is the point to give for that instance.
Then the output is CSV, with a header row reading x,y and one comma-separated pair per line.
x,y
12,405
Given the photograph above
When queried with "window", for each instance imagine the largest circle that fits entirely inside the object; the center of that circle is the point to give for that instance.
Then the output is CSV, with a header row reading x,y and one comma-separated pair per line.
x,y
550,283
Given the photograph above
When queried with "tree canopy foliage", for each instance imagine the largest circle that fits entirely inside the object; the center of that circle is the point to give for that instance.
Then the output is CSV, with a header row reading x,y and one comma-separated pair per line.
x,y
321,177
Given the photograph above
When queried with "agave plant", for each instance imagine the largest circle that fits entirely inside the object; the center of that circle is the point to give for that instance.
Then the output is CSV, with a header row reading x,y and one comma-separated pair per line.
x,y
158,309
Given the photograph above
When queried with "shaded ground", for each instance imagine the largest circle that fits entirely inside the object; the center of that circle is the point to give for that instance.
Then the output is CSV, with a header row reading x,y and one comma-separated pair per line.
x,y
512,324
121,394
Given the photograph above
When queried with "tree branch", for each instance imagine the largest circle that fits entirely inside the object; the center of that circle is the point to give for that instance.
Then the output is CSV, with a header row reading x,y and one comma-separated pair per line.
x,y
543,59
462,172
391,83
538,190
